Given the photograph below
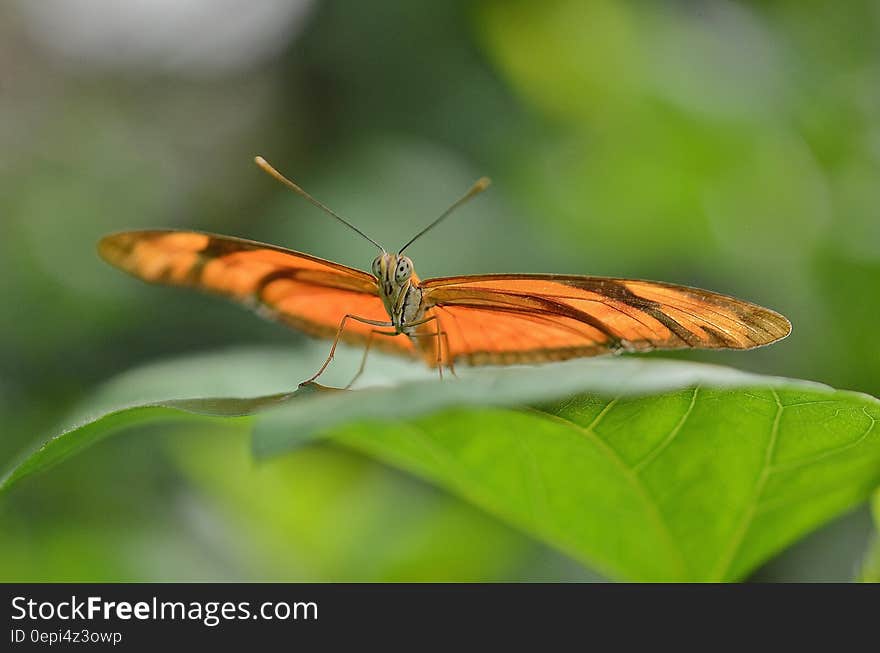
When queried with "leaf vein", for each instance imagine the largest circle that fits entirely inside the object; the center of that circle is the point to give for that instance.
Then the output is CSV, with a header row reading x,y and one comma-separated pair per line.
x,y
725,562
660,448
809,460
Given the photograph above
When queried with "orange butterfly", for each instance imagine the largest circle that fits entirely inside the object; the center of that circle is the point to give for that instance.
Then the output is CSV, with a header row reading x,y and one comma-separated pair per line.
x,y
479,320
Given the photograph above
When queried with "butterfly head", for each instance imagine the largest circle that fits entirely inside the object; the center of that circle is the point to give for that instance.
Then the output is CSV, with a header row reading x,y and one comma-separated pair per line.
x,y
394,273
398,287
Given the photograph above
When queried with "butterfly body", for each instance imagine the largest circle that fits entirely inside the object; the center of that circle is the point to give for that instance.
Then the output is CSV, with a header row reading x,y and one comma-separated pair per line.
x,y
402,296
399,291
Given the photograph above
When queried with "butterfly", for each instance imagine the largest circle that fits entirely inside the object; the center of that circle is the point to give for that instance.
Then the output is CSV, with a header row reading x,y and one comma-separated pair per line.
x,y
476,319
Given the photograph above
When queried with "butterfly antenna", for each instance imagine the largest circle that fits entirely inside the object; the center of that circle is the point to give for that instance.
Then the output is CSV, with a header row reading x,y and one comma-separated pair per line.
x,y
272,172
479,186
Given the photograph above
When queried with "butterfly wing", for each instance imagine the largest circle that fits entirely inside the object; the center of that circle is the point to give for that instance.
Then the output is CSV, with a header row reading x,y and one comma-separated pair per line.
x,y
302,291
504,319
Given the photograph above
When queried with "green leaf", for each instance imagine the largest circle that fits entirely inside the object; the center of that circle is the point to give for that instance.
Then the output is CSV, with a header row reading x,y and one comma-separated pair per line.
x,y
142,396
646,469
77,438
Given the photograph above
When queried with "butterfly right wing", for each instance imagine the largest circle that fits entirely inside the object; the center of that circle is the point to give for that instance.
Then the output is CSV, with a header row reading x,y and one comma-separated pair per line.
x,y
519,318
302,291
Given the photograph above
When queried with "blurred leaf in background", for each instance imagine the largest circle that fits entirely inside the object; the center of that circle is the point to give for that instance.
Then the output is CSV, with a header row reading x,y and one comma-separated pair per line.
x,y
729,145
726,144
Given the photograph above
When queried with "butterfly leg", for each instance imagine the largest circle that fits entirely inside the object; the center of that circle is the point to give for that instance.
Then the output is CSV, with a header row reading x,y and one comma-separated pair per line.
x,y
439,349
449,353
441,337
339,331
373,332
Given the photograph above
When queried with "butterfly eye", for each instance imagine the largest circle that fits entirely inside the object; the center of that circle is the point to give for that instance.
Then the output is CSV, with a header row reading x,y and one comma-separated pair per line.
x,y
376,267
404,268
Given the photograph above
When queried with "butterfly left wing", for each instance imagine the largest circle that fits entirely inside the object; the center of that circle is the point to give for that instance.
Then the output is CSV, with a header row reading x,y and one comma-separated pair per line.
x,y
305,292
504,319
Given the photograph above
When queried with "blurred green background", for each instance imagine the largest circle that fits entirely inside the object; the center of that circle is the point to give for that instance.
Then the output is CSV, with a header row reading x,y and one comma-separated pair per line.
x,y
729,145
